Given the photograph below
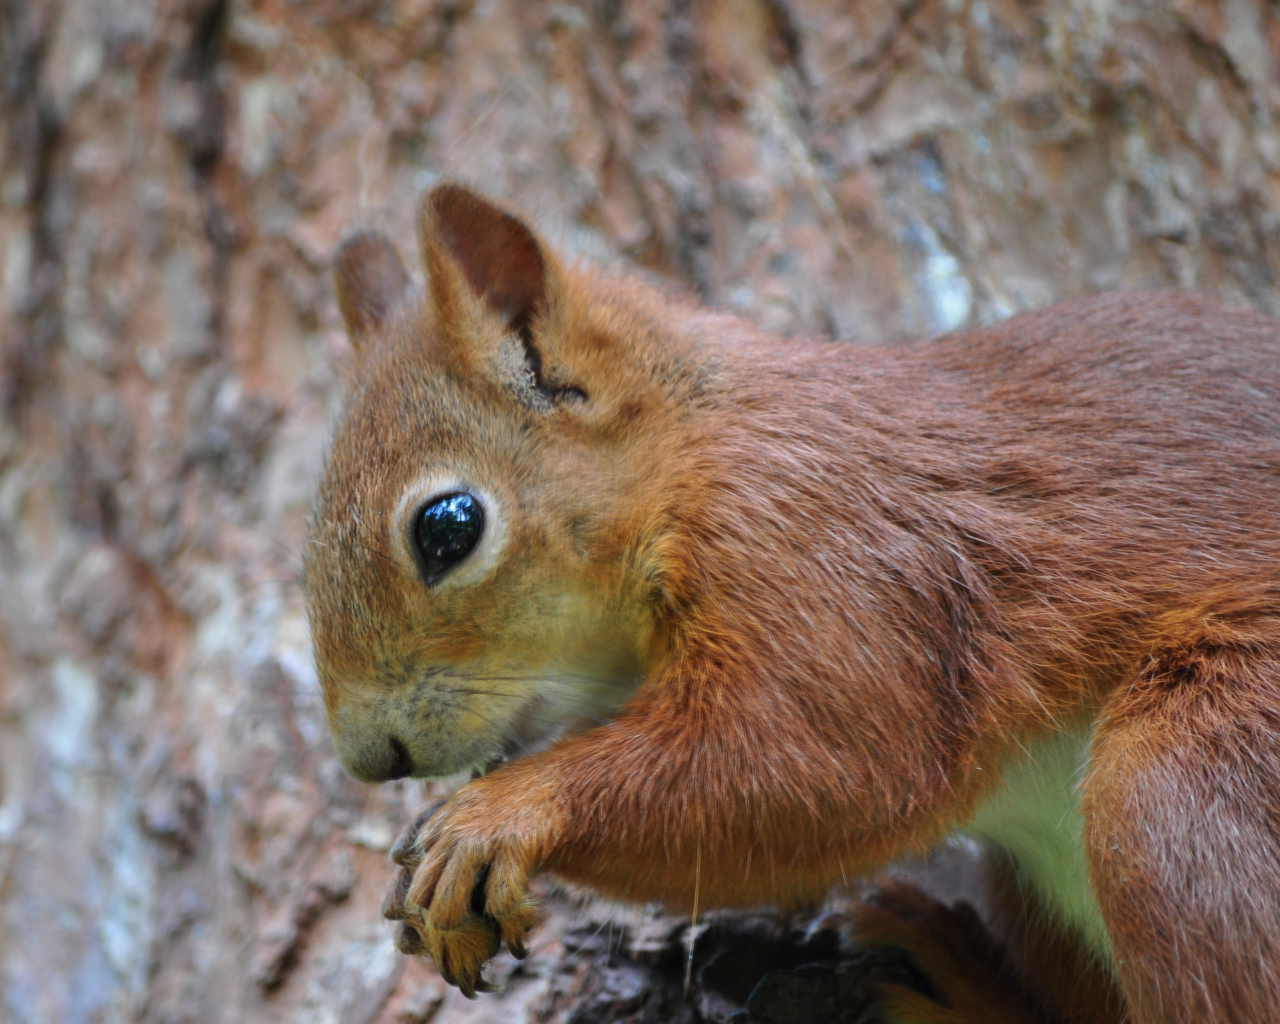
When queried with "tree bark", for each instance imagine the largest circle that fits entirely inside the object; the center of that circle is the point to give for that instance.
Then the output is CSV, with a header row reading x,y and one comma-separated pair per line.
x,y
177,841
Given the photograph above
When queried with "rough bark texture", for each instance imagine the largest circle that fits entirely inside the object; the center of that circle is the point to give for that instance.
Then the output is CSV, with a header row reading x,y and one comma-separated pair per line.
x,y
177,842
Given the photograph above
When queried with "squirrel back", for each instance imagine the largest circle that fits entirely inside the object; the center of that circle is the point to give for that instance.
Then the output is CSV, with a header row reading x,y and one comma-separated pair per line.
x,y
1004,516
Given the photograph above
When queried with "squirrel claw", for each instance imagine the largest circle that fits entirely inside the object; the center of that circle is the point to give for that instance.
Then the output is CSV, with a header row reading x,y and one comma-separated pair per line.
x,y
517,948
393,902
405,852
409,940
462,952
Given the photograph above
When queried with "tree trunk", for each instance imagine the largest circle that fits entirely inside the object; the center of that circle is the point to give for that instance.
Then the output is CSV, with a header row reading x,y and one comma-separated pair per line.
x,y
177,841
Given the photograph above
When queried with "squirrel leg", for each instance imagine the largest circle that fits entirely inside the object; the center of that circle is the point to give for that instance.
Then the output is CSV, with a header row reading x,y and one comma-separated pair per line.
x,y
1050,959
706,796
1182,812
1022,966
972,979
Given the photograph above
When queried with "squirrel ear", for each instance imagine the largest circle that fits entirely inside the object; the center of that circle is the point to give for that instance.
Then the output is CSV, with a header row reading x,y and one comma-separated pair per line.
x,y
371,284
499,256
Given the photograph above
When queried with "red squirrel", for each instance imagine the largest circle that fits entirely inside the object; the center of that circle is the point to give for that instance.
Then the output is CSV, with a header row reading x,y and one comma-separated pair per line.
x,y
746,615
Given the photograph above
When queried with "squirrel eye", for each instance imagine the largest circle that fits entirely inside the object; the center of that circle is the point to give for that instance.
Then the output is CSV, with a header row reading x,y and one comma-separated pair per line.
x,y
446,531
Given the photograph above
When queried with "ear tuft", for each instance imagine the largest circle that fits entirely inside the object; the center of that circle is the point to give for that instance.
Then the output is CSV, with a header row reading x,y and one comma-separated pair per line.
x,y
498,254
371,283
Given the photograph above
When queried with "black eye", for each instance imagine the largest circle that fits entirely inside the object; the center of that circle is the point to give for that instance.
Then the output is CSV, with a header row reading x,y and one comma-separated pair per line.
x,y
446,531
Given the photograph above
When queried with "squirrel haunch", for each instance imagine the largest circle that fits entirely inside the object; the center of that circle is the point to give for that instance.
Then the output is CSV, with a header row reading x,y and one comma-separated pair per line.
x,y
750,615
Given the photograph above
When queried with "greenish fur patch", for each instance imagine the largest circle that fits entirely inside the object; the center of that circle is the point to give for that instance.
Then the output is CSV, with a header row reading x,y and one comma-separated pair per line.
x,y
1035,818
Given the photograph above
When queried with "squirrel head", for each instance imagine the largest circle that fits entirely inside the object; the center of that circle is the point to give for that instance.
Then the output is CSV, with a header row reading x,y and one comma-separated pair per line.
x,y
485,549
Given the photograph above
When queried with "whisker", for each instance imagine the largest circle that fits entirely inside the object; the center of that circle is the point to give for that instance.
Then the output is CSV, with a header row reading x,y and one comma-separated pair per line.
x,y
289,581
295,556
542,676
370,550
242,713
484,693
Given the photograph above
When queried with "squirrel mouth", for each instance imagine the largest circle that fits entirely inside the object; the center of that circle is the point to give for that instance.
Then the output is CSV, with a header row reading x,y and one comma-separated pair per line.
x,y
532,731
541,723
549,706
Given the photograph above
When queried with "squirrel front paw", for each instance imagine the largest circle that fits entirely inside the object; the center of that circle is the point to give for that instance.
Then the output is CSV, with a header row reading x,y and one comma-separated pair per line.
x,y
463,888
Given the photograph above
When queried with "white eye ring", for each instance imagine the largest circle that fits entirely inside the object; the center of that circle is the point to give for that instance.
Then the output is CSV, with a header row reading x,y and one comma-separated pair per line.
x,y
482,558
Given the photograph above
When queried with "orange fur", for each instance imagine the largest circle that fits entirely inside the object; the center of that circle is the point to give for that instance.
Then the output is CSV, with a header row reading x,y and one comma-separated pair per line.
x,y
770,612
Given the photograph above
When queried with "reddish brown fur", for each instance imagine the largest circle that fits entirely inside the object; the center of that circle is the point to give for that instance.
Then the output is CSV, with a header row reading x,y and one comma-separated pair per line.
x,y
848,577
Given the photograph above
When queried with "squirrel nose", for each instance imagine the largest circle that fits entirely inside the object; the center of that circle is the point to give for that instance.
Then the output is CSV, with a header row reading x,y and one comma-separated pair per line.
x,y
402,763
380,762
